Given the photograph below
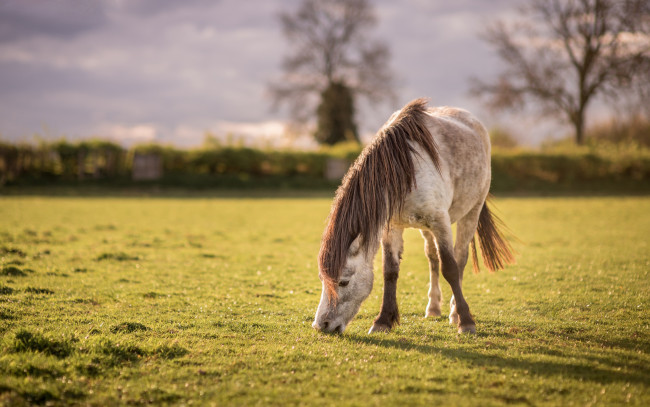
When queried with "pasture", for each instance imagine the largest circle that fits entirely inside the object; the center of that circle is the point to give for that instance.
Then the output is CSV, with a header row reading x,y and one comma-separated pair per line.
x,y
209,301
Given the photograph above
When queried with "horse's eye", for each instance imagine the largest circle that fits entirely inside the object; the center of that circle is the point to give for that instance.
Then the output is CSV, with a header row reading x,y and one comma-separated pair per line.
x,y
343,283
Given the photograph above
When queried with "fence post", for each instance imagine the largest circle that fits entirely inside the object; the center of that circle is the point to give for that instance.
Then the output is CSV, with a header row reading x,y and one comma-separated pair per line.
x,y
147,166
81,164
335,168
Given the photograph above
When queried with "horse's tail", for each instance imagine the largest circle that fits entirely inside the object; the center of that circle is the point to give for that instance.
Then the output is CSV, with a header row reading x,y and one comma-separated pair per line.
x,y
496,251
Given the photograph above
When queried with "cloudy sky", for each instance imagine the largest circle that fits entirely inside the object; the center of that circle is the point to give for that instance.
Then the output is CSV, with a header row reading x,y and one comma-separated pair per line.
x,y
167,70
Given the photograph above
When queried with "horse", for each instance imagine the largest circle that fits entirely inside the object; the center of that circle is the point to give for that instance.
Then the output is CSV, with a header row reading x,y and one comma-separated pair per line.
x,y
427,168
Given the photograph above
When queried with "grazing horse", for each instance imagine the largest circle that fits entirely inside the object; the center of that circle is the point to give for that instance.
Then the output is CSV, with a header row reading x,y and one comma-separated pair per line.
x,y
427,168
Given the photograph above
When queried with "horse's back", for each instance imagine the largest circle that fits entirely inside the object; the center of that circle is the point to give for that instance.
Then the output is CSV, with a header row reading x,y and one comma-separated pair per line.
x,y
464,178
461,125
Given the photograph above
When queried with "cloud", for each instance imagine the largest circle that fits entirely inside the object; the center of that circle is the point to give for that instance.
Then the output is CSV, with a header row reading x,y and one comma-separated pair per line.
x,y
177,66
128,135
269,129
271,133
74,66
63,19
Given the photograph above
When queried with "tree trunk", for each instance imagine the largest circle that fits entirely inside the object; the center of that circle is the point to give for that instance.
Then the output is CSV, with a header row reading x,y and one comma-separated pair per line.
x,y
579,119
336,115
579,130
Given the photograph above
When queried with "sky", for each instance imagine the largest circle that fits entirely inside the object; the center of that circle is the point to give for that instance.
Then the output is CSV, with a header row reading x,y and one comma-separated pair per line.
x,y
138,71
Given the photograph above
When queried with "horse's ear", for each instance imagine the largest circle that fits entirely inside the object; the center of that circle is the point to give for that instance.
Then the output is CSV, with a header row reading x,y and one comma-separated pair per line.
x,y
355,247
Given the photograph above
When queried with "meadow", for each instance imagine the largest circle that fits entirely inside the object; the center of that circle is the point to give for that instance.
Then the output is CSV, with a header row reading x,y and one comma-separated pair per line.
x,y
208,300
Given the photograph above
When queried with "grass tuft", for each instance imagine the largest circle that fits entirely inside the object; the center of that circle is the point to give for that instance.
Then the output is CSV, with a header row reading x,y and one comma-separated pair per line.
x,y
120,353
7,315
34,370
39,396
12,271
35,290
170,352
26,341
90,369
119,256
12,250
159,396
128,327
90,301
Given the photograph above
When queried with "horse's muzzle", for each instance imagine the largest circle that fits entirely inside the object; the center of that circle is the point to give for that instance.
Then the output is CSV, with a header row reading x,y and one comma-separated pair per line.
x,y
328,327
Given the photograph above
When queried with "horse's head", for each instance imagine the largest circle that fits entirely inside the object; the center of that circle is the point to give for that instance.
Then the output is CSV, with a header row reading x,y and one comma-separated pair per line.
x,y
340,300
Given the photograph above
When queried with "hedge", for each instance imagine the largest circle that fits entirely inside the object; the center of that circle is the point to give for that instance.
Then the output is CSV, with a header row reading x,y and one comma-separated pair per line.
x,y
512,170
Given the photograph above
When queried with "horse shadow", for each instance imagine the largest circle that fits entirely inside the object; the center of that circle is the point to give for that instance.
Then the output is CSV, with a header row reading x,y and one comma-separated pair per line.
x,y
589,365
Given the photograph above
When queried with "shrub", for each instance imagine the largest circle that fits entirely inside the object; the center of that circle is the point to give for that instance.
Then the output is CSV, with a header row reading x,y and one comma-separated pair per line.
x,y
502,139
635,130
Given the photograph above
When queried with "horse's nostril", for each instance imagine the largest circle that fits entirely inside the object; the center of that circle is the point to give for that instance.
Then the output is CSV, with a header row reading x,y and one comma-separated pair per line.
x,y
338,329
325,325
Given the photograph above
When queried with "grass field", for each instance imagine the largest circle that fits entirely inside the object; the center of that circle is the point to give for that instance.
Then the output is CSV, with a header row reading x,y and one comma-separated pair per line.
x,y
209,301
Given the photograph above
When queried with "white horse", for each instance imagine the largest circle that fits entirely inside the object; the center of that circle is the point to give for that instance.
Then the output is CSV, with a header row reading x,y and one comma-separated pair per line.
x,y
426,169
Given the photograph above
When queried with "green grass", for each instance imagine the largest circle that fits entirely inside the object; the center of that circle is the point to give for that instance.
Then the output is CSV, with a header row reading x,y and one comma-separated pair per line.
x,y
134,300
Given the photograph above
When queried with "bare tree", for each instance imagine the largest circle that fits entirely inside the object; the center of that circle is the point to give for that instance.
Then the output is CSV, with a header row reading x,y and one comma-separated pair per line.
x,y
562,54
332,61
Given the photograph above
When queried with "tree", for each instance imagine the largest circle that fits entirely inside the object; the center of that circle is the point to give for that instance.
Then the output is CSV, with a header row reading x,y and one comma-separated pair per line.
x,y
562,54
335,115
333,60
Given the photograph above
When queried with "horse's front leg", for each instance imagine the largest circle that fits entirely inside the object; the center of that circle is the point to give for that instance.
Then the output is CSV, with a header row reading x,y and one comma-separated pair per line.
x,y
392,246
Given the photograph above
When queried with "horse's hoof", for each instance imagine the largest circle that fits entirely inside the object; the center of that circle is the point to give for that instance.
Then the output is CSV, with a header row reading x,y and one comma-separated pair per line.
x,y
467,329
453,319
379,328
433,313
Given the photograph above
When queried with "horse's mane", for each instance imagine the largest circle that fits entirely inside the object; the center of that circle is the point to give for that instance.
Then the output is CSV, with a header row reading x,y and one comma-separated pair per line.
x,y
374,188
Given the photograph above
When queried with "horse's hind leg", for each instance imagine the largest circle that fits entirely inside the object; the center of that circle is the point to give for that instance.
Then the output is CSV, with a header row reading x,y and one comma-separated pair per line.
x,y
441,228
435,296
465,229
392,245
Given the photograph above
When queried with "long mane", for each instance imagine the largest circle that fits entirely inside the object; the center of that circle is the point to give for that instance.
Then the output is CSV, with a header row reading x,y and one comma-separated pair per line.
x,y
374,188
